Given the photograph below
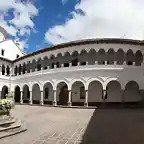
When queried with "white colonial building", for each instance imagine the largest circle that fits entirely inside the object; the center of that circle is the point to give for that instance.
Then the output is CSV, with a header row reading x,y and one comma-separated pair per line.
x,y
87,72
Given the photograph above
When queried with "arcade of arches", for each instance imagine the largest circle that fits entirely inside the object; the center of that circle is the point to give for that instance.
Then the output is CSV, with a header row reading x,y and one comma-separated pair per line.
x,y
78,96
79,59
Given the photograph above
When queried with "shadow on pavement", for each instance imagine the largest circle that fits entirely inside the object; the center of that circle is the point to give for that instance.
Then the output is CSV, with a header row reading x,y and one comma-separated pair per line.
x,y
115,126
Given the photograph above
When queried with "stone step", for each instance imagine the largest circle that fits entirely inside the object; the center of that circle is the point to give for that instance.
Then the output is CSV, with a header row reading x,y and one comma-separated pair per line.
x,y
10,126
6,122
11,132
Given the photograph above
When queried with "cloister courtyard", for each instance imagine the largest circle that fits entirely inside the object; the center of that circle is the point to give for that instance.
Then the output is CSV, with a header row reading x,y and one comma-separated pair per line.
x,y
55,125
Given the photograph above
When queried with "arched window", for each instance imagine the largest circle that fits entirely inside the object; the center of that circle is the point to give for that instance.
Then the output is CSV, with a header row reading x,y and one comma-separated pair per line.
x,y
24,68
15,70
75,58
39,64
8,70
20,69
3,70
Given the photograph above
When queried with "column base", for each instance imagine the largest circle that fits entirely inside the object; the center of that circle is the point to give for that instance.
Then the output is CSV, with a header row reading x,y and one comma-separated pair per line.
x,y
21,102
41,103
54,103
86,104
69,104
30,102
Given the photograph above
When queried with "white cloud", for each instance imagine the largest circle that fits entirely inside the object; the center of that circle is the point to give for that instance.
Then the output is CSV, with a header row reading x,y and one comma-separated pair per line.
x,y
22,43
22,22
64,1
101,18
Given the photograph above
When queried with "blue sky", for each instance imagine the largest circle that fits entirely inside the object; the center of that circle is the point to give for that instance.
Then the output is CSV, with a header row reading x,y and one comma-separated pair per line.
x,y
51,12
41,23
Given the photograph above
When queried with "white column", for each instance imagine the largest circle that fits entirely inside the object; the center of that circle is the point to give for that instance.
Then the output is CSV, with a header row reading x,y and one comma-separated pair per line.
x,y
30,100
62,65
5,71
10,81
78,64
69,98
70,64
21,97
42,98
54,100
86,98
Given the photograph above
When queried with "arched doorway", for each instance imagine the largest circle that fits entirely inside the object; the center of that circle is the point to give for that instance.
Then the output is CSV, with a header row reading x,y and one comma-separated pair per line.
x,y
62,93
17,94
4,91
114,93
130,57
48,93
131,92
95,90
26,94
36,94
78,93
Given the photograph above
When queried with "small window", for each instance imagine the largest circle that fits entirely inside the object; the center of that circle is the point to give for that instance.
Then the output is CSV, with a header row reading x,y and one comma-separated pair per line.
x,y
17,56
2,52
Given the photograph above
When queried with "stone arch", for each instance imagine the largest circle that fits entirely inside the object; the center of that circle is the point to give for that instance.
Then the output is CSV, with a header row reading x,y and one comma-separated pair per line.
x,y
25,93
83,57
15,70
52,61
39,65
33,65
95,91
17,94
91,57
48,93
75,58
36,93
114,92
138,58
120,56
59,60
130,57
3,69
62,93
8,70
110,56
94,79
45,62
28,66
4,91
101,56
78,88
24,68
66,59
131,92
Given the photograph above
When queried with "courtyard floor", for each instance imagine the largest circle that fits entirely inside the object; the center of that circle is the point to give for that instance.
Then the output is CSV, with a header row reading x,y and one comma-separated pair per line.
x,y
51,125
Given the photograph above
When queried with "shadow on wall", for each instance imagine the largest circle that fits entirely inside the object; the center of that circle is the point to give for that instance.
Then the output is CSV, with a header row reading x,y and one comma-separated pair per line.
x,y
110,126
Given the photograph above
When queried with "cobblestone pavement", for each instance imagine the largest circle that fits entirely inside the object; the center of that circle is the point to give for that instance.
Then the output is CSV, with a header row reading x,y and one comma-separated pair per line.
x,y
49,125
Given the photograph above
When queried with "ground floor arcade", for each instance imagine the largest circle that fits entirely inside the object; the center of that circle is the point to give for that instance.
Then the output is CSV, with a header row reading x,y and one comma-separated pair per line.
x,y
77,94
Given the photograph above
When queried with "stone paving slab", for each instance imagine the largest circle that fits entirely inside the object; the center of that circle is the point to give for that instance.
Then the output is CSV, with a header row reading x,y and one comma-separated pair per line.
x,y
49,125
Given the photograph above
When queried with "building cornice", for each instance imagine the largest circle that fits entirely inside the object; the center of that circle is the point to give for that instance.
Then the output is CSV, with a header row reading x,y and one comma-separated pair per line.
x,y
82,42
